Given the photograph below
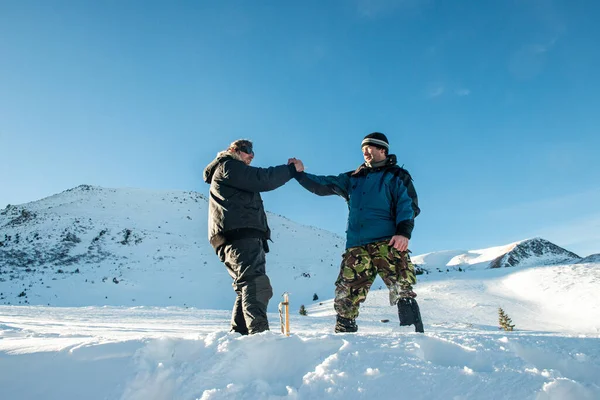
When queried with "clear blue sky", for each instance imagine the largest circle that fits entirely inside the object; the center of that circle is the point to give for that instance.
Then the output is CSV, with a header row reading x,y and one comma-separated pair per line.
x,y
492,105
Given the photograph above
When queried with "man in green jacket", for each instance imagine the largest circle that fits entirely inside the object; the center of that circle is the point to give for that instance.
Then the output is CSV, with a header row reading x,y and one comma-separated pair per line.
x,y
383,204
238,229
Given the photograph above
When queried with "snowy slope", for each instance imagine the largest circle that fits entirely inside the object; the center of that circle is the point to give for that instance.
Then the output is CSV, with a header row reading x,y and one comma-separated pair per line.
x,y
176,353
164,333
97,246
525,253
594,258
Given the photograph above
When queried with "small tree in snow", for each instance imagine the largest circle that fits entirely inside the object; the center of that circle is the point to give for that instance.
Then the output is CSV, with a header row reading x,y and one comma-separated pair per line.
x,y
504,320
302,310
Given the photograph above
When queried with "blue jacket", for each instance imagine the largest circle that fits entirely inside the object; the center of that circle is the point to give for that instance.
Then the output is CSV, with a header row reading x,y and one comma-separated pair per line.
x,y
382,201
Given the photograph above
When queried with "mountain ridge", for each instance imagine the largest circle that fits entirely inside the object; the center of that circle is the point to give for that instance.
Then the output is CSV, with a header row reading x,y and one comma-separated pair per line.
x,y
135,246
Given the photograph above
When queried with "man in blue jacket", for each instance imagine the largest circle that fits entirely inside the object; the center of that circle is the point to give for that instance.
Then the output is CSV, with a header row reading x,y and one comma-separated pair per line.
x,y
382,204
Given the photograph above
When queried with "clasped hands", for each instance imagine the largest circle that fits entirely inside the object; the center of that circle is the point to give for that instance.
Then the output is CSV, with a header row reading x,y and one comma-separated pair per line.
x,y
297,163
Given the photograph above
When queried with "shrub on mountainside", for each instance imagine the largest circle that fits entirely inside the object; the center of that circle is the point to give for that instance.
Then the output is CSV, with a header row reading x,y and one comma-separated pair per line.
x,y
23,217
126,236
71,237
504,321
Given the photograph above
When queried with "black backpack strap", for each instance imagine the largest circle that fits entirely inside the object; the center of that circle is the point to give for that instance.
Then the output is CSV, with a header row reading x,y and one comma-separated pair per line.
x,y
401,172
407,180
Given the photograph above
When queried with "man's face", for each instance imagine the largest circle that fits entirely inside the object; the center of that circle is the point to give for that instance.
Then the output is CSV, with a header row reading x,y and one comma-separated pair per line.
x,y
246,157
373,154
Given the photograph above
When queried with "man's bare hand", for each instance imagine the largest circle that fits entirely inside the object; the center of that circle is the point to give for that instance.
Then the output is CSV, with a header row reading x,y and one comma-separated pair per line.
x,y
399,242
297,163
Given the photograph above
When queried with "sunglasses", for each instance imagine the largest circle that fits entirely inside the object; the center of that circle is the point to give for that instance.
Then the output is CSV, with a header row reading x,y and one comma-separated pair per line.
x,y
246,149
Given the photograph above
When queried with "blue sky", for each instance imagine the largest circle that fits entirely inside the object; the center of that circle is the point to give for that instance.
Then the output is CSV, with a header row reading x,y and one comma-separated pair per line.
x,y
492,106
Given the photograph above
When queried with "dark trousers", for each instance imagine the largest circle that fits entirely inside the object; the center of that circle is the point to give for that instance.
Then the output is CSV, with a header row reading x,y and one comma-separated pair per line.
x,y
245,262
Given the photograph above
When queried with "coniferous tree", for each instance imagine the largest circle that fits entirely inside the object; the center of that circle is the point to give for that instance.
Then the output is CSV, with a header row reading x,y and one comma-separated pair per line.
x,y
303,310
505,321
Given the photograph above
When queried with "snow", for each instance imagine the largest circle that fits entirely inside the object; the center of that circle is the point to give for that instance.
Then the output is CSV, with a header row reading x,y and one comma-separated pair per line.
x,y
162,331
593,258
177,353
481,256
167,260
459,258
524,253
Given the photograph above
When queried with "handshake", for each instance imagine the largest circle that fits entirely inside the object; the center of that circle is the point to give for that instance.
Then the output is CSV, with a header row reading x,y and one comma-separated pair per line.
x,y
297,163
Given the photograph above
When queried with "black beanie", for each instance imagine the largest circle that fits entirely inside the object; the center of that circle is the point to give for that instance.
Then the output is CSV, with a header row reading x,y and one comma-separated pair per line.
x,y
376,139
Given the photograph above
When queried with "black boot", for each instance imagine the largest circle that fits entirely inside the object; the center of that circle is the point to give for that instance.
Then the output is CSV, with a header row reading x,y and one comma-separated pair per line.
x,y
238,330
409,314
345,325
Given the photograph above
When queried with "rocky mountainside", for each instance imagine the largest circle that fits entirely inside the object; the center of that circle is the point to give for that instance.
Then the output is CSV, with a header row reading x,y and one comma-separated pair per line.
x,y
96,246
594,258
534,252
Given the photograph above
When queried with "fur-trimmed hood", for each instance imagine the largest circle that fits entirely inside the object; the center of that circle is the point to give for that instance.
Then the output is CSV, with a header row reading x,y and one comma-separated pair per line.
x,y
210,169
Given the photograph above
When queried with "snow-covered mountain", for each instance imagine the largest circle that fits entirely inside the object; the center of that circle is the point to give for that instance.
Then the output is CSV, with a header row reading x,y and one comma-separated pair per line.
x,y
594,258
525,253
147,253
96,246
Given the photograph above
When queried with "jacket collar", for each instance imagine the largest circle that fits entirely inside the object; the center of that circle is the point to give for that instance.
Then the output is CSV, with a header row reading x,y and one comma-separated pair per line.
x,y
363,169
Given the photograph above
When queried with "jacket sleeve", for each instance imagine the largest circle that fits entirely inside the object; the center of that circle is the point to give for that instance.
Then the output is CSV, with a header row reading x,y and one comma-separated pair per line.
x,y
326,185
254,179
407,206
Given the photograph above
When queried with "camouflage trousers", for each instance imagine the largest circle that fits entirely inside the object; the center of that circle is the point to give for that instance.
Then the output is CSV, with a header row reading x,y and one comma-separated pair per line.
x,y
360,266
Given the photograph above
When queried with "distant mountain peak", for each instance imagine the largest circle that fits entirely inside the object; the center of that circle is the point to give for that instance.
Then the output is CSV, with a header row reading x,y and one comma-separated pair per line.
x,y
526,252
83,187
537,250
